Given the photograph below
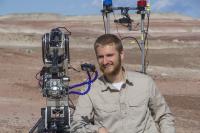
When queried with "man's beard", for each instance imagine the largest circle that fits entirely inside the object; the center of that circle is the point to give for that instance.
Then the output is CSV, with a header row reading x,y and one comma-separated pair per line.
x,y
113,70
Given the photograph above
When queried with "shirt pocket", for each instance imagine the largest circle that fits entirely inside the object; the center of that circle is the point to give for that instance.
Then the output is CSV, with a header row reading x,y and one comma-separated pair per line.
x,y
106,111
137,107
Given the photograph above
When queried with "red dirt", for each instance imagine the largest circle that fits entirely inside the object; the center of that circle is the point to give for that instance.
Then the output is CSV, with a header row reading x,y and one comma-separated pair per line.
x,y
175,70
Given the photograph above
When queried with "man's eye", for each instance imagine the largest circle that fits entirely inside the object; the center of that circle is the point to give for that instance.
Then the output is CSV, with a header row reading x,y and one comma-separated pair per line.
x,y
109,55
99,57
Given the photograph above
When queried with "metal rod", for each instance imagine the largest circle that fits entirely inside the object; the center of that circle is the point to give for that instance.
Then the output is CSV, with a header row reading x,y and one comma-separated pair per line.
x,y
143,69
107,23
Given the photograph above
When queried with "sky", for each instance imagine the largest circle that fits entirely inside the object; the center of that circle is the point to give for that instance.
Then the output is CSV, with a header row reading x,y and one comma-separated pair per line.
x,y
93,7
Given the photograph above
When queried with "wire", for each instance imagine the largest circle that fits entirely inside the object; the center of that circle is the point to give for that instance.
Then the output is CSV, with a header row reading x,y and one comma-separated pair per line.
x,y
127,37
84,83
72,106
122,38
39,78
145,40
36,75
71,67
130,37
117,26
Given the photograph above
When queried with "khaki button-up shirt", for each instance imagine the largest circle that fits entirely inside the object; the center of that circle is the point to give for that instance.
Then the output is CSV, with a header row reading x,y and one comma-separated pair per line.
x,y
137,108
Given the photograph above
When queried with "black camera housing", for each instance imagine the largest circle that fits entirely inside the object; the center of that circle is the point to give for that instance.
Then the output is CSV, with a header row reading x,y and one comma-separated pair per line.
x,y
55,56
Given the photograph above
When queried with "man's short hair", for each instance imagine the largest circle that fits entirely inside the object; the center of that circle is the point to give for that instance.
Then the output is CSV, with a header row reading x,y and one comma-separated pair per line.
x,y
108,39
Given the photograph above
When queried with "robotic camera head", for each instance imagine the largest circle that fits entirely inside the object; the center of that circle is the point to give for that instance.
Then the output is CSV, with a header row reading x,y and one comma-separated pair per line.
x,y
55,54
55,46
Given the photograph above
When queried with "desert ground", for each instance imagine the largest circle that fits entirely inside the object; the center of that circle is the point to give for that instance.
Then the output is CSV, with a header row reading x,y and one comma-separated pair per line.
x,y
173,61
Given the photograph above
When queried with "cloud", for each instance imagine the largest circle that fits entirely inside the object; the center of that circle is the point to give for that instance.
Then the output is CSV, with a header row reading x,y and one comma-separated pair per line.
x,y
190,8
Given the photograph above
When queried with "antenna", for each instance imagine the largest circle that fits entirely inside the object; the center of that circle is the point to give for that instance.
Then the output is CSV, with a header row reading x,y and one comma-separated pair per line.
x,y
143,8
107,8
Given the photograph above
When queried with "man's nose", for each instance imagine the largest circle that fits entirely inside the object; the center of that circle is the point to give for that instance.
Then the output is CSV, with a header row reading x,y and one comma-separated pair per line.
x,y
105,61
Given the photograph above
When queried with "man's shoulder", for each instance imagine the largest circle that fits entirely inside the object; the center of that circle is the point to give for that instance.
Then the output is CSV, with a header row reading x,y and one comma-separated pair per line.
x,y
139,78
137,75
141,83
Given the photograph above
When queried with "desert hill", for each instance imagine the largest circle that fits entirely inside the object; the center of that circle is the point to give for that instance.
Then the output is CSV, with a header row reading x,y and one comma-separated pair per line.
x,y
173,60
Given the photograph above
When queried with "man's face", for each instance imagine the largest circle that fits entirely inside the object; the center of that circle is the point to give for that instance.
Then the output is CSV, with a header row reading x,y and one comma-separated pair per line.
x,y
109,59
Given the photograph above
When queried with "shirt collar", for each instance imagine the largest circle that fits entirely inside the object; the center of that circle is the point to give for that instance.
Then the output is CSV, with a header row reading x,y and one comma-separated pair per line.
x,y
109,85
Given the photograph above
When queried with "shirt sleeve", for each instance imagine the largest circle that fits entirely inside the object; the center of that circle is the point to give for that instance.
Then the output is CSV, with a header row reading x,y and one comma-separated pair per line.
x,y
160,110
83,116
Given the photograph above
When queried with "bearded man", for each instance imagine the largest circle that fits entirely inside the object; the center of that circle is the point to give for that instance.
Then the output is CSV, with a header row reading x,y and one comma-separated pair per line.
x,y
121,101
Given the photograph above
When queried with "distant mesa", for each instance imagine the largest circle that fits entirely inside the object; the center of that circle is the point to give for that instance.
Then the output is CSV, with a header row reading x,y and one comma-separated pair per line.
x,y
33,16
54,16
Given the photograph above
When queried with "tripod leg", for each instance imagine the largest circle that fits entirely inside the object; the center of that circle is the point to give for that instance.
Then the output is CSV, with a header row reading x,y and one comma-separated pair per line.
x,y
39,123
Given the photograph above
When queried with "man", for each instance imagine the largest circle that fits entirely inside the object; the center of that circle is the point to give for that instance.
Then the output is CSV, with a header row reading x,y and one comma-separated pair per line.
x,y
121,101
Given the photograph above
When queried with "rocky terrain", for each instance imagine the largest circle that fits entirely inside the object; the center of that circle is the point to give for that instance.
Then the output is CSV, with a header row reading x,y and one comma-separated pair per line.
x,y
173,61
